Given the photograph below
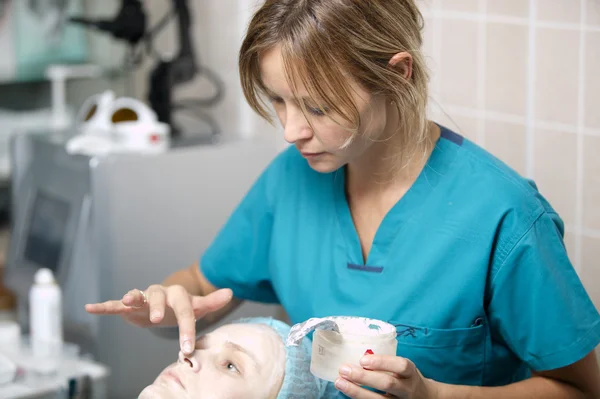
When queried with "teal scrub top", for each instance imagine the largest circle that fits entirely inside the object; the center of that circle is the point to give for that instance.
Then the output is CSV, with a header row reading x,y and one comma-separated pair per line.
x,y
469,264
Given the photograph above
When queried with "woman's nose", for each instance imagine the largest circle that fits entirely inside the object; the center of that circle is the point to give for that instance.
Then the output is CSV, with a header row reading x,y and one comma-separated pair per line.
x,y
190,361
294,135
296,127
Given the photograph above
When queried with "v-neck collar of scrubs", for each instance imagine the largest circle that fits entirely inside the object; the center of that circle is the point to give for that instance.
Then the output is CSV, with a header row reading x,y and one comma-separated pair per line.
x,y
436,167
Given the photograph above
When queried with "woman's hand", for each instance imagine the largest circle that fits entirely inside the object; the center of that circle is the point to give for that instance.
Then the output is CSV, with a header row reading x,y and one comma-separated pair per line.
x,y
396,376
165,306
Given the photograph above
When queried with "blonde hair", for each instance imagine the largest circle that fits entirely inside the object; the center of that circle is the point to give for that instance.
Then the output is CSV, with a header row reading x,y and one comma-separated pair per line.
x,y
323,42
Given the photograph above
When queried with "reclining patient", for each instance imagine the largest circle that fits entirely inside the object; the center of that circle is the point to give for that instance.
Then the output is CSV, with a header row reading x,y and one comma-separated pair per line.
x,y
247,360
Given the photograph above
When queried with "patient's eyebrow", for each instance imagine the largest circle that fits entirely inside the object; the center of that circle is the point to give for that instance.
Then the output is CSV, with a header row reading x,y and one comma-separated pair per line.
x,y
236,347
233,346
201,340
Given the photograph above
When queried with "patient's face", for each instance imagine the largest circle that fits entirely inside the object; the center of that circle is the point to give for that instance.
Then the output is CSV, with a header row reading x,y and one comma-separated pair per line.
x,y
234,361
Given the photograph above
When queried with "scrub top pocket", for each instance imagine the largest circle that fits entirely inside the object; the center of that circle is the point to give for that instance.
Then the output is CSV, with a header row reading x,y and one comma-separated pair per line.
x,y
452,356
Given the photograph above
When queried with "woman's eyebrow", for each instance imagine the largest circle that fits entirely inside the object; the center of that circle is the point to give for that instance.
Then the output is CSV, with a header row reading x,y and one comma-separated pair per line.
x,y
272,94
236,347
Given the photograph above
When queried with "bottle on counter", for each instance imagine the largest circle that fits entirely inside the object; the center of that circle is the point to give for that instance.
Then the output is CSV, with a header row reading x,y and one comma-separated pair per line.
x,y
45,321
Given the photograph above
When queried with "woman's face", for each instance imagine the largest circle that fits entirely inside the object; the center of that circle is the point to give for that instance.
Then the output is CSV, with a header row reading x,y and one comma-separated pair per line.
x,y
322,147
245,361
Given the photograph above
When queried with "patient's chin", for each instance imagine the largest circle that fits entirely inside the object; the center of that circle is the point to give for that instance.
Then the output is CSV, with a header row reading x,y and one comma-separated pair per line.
x,y
158,391
151,392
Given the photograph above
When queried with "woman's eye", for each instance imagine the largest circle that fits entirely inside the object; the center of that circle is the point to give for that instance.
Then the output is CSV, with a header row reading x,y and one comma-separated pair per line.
x,y
316,111
277,100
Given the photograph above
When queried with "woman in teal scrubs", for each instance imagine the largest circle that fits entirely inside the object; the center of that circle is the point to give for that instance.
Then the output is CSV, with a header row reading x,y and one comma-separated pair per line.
x,y
377,212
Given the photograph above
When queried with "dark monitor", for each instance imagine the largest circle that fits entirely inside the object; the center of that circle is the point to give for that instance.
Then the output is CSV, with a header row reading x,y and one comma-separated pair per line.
x,y
47,201
47,228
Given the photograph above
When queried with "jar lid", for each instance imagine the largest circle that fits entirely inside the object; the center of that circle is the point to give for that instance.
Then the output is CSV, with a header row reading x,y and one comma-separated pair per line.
x,y
347,326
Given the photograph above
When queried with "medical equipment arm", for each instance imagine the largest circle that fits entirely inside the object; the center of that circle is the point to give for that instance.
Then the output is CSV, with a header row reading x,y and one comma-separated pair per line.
x,y
130,25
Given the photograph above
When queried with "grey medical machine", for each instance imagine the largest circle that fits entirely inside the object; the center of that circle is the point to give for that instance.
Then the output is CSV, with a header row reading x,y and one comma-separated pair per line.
x,y
106,225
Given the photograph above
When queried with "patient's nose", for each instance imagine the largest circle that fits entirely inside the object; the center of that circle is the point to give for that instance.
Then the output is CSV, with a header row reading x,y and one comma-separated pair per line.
x,y
191,361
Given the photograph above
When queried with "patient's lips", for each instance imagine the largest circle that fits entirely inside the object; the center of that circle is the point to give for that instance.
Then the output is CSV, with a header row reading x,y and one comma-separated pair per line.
x,y
169,374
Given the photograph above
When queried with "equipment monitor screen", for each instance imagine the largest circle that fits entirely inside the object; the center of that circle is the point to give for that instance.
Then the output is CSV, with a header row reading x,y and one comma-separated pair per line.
x,y
46,231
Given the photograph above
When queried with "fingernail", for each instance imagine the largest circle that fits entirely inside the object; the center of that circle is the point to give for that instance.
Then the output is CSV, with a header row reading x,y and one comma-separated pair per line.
x,y
341,384
365,361
127,296
155,315
345,371
187,346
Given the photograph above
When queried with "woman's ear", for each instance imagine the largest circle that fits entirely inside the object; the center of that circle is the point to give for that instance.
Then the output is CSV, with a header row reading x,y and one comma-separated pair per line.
x,y
402,62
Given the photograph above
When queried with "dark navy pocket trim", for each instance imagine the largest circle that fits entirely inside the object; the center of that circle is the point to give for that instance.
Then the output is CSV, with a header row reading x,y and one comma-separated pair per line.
x,y
451,136
364,268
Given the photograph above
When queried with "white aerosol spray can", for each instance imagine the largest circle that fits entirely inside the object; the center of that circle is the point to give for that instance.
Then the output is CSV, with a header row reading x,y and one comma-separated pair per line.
x,y
45,321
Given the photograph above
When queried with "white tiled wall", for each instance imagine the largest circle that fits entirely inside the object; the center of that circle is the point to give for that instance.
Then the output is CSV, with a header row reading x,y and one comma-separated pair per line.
x,y
522,79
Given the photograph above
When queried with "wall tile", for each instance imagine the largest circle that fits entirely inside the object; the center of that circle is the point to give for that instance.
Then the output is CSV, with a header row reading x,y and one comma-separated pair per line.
x,y
592,13
425,5
591,200
459,63
592,80
591,182
590,270
568,11
461,5
430,58
557,75
427,35
513,8
556,169
463,125
506,68
507,142
570,240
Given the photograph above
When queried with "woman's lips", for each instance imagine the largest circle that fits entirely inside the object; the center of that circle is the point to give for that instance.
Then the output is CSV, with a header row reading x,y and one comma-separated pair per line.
x,y
311,154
